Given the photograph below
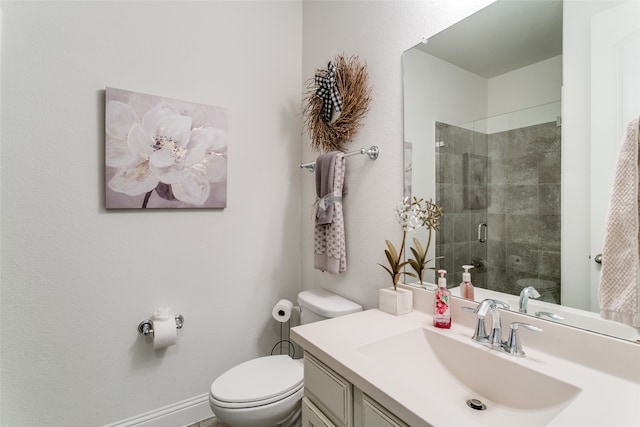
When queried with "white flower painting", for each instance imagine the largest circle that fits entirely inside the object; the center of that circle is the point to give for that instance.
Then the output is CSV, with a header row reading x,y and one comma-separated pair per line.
x,y
164,153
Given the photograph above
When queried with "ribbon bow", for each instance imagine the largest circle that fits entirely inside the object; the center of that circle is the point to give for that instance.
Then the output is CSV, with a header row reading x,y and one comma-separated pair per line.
x,y
324,202
328,92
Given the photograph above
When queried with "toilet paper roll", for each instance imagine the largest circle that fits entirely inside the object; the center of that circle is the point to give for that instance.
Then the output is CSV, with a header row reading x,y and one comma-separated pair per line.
x,y
162,313
164,332
282,310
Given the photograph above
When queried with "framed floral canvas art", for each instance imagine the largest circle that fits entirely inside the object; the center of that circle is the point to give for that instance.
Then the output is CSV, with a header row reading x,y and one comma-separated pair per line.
x,y
164,153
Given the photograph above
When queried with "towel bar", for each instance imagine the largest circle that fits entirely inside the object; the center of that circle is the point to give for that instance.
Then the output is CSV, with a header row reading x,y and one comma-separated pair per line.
x,y
372,152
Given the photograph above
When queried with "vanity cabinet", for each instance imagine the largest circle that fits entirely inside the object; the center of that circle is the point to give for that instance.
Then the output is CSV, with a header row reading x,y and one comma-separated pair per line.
x,y
376,415
329,392
312,416
330,400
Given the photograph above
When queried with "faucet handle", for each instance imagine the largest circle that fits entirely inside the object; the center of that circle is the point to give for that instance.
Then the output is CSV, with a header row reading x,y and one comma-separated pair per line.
x,y
501,304
480,334
513,345
488,303
549,314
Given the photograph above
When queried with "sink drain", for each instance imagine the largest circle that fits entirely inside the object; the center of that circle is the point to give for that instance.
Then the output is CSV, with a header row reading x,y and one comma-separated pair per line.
x,y
476,404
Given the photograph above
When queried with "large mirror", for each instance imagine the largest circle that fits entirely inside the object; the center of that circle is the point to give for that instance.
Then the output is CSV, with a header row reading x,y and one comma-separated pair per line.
x,y
483,107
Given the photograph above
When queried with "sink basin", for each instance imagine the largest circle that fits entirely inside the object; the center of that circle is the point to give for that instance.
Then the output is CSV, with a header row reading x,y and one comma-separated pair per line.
x,y
457,371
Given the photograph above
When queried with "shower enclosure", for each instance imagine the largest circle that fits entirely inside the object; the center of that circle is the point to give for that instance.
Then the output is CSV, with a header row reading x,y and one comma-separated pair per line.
x,y
498,180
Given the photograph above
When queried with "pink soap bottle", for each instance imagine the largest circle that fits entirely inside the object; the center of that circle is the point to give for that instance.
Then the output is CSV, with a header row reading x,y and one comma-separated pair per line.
x,y
441,310
466,288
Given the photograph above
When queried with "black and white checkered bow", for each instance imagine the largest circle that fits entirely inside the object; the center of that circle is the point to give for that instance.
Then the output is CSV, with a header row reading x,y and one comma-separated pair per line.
x,y
328,92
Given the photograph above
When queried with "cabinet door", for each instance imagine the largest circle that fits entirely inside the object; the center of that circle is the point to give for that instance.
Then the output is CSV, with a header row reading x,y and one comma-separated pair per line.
x,y
375,415
312,416
328,391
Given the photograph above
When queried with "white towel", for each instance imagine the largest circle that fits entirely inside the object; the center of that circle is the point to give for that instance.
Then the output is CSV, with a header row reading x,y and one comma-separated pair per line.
x,y
619,293
329,246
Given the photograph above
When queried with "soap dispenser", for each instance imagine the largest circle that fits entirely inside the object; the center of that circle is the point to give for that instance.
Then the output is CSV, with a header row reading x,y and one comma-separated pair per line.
x,y
466,288
441,310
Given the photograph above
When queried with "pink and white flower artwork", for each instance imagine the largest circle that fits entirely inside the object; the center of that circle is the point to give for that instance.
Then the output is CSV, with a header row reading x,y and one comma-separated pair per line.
x,y
164,153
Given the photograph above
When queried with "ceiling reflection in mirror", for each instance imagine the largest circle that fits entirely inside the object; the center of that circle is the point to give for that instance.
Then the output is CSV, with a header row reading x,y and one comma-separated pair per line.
x,y
483,138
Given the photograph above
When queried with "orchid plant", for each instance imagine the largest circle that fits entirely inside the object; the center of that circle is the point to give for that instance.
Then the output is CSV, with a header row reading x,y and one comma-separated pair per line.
x,y
412,215
429,217
408,216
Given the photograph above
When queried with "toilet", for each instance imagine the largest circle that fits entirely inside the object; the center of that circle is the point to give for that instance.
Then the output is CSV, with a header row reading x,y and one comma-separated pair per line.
x,y
267,391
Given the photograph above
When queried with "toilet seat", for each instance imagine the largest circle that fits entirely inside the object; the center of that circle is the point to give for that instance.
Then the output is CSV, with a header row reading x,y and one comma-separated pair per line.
x,y
258,382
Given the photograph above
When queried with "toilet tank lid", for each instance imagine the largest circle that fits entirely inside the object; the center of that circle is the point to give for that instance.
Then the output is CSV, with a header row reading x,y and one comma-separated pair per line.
x,y
326,303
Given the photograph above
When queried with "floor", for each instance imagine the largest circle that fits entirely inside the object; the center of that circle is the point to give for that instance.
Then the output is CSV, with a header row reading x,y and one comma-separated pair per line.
x,y
209,422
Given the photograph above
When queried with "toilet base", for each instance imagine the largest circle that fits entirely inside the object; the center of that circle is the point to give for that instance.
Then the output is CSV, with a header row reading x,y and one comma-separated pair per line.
x,y
284,413
295,420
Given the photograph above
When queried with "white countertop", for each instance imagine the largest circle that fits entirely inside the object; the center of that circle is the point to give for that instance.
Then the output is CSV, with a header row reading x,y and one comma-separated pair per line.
x,y
604,400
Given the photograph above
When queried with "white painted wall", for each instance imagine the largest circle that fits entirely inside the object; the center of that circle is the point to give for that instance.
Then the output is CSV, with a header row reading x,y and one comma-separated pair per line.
x,y
379,32
76,279
435,90
536,84
576,170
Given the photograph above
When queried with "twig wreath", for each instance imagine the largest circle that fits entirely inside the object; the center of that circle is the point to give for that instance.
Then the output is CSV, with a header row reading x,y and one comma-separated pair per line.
x,y
342,87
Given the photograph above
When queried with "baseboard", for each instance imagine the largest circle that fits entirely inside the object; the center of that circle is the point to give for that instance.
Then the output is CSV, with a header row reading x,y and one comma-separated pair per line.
x,y
178,414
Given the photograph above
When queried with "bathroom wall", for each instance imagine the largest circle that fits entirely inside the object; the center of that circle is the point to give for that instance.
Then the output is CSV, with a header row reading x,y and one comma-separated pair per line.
x,y
524,214
435,90
462,189
578,268
507,93
441,92
379,32
509,180
77,279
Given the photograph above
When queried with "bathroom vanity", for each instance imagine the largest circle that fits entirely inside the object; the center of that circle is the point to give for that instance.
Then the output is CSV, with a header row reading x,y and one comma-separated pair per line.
x,y
332,400
375,369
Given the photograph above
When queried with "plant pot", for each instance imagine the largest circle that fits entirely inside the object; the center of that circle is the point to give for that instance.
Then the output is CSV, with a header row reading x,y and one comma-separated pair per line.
x,y
395,302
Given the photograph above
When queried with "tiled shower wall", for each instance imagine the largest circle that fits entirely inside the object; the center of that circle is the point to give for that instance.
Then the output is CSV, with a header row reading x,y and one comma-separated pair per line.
x,y
457,238
511,182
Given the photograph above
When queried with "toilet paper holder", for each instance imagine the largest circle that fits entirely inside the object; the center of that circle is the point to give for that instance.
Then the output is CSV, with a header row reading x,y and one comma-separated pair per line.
x,y
146,326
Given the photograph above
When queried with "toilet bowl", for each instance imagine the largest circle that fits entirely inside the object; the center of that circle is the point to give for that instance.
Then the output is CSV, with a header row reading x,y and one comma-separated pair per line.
x,y
267,391
261,392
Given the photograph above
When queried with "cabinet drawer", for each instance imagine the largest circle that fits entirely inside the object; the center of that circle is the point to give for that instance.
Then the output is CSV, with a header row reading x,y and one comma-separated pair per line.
x,y
375,415
312,417
331,393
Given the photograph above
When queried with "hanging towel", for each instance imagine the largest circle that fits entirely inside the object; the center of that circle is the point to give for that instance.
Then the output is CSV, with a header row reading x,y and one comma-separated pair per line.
x,y
329,239
619,292
325,175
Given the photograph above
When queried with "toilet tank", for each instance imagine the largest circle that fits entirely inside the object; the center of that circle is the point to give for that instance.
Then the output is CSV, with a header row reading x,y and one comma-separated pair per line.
x,y
318,304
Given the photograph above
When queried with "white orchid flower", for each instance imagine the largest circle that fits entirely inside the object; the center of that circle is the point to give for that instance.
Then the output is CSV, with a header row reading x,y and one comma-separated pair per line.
x,y
162,151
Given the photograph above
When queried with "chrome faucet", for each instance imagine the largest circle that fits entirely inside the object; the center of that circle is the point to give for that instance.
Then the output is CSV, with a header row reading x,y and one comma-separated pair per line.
x,y
525,294
513,345
548,314
496,328
480,335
